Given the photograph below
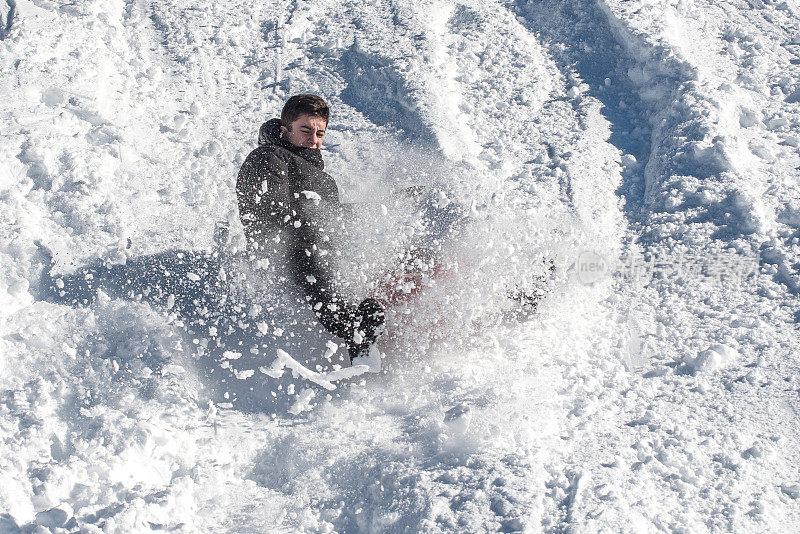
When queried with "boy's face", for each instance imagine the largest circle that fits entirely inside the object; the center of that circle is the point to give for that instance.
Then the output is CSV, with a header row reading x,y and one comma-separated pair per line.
x,y
306,131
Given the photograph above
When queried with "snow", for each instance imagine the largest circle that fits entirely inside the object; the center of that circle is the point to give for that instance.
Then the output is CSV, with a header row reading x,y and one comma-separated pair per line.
x,y
326,380
713,358
312,196
648,149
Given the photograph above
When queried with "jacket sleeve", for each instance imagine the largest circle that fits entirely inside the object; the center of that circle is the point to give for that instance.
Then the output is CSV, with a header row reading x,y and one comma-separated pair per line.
x,y
262,192
315,219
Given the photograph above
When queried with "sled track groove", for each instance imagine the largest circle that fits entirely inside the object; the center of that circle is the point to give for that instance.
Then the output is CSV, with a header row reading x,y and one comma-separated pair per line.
x,y
12,11
583,43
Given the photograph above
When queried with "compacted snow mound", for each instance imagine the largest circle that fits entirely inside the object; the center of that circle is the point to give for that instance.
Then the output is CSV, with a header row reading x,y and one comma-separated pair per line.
x,y
711,359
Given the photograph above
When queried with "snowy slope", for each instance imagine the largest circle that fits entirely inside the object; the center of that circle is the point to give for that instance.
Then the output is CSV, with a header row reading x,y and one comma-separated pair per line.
x,y
656,140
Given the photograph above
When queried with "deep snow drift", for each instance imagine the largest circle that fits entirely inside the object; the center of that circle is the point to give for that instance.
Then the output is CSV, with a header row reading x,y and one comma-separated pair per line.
x,y
152,379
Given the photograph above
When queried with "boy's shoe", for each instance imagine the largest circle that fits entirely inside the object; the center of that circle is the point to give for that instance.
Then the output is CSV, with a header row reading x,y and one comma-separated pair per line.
x,y
369,356
371,325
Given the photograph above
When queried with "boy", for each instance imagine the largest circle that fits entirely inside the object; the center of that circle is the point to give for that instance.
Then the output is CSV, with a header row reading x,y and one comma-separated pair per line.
x,y
290,206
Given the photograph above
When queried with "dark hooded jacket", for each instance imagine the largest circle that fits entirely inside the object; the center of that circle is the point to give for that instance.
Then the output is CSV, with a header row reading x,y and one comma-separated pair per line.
x,y
290,207
284,193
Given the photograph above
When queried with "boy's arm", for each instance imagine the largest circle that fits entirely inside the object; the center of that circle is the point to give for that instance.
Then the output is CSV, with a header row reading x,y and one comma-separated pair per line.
x,y
262,191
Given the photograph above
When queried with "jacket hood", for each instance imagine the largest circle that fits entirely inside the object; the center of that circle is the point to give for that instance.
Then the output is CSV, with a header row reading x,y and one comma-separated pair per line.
x,y
270,134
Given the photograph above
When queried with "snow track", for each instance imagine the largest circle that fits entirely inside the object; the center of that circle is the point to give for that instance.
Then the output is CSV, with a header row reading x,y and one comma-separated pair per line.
x,y
656,136
8,15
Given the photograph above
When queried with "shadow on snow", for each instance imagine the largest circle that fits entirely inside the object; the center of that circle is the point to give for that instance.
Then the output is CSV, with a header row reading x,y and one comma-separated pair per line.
x,y
229,332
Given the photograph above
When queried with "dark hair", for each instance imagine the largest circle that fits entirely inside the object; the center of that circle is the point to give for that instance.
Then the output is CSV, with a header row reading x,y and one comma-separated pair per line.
x,y
304,105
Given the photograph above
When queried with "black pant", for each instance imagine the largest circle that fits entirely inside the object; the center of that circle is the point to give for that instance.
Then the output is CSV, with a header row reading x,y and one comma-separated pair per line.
x,y
357,325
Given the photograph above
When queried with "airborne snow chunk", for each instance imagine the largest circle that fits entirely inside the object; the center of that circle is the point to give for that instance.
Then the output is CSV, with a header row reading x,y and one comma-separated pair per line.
x,y
245,374
303,402
313,196
458,419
